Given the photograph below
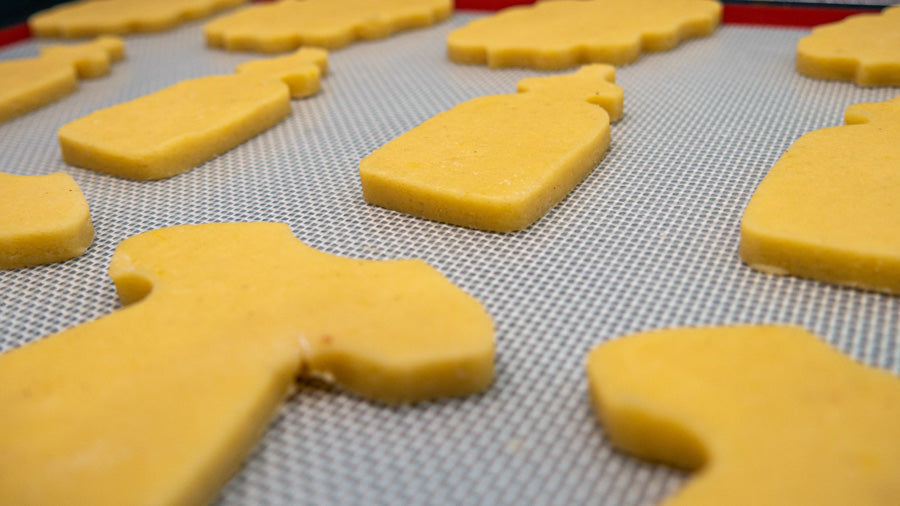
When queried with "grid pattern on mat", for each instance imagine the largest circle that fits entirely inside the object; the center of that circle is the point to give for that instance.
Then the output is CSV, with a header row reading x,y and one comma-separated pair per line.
x,y
648,240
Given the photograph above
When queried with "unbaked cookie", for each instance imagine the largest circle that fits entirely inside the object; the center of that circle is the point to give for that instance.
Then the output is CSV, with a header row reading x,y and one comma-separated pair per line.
x,y
565,33
768,415
86,18
173,130
864,48
289,24
159,402
30,83
828,209
499,162
43,219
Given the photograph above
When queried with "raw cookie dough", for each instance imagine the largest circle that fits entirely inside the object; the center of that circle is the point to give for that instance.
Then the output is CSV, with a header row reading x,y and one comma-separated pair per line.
x,y
86,18
289,24
176,129
562,34
159,402
769,415
43,219
864,48
498,162
30,83
828,210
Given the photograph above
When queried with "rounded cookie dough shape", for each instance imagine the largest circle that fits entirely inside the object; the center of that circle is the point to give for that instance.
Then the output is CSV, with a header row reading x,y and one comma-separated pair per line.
x,y
864,48
30,83
175,129
43,219
565,33
495,162
86,18
766,414
828,209
288,24
159,402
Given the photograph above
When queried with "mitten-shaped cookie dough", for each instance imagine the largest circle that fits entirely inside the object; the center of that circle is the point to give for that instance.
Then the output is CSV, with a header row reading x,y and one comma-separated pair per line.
x,y
766,414
828,209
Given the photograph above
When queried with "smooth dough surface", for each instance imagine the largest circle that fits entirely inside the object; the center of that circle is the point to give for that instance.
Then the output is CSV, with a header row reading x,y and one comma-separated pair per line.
x,y
159,402
86,18
29,83
175,129
497,162
828,209
864,48
43,219
768,415
561,34
289,24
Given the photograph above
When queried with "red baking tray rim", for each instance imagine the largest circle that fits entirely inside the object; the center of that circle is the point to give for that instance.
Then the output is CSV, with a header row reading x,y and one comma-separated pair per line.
x,y
747,14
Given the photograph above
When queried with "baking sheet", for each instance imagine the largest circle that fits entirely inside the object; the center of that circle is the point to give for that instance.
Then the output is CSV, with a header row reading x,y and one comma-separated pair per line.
x,y
648,240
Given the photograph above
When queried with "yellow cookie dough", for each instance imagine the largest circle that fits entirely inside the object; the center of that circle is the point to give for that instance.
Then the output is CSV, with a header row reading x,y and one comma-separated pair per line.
x,y
499,162
864,48
43,219
828,209
159,402
562,34
30,83
289,24
768,415
86,18
176,129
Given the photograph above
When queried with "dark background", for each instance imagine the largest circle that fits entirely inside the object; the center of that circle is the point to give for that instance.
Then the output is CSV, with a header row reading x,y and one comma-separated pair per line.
x,y
17,11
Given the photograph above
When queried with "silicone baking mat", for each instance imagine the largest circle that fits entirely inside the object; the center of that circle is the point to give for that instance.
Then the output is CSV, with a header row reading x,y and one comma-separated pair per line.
x,y
648,240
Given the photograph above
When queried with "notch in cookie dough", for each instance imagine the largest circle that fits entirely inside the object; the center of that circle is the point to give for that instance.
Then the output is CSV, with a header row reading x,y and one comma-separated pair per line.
x,y
159,402
765,415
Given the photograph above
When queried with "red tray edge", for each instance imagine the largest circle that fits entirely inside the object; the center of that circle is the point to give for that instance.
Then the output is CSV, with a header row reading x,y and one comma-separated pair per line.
x,y
752,14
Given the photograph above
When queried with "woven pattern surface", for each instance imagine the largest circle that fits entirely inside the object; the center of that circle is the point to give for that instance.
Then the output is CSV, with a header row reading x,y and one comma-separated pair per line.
x,y
648,240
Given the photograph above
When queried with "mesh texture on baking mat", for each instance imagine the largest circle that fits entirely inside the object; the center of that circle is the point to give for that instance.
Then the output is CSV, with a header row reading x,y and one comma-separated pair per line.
x,y
648,240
